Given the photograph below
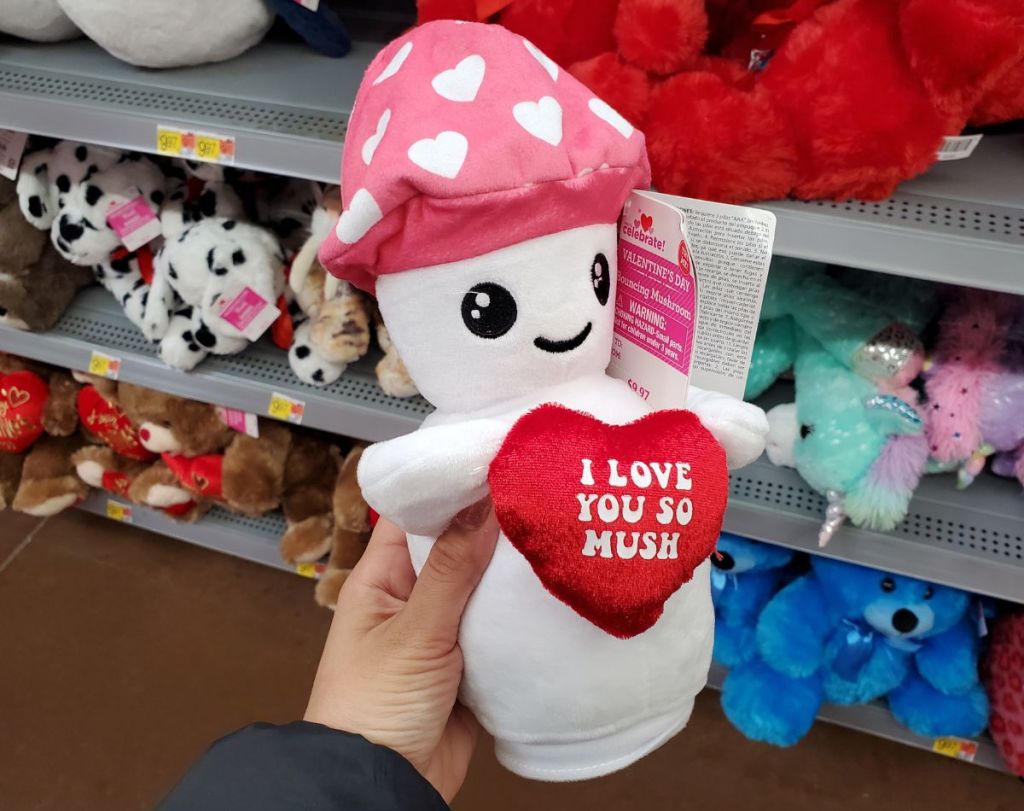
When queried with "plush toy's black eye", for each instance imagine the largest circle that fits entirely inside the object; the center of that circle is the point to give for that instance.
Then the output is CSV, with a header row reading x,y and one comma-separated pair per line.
x,y
64,183
93,194
601,277
929,593
888,584
488,310
806,431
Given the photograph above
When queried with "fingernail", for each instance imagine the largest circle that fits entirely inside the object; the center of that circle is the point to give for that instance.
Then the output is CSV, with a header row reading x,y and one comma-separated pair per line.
x,y
474,516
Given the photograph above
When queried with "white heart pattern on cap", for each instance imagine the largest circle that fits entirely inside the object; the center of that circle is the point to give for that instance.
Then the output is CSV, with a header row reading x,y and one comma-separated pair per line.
x,y
395,64
542,119
361,215
462,82
607,113
370,144
443,155
546,61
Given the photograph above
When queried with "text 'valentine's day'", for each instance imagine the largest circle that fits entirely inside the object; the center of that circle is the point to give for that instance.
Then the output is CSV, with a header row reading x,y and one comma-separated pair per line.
x,y
611,507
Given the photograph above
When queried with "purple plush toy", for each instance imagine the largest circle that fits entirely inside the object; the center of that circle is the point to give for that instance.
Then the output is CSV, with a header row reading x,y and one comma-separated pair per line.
x,y
975,387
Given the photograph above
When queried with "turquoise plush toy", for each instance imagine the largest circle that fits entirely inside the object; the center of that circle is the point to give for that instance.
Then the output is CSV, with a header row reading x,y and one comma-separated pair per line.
x,y
863,449
746,575
848,635
869,322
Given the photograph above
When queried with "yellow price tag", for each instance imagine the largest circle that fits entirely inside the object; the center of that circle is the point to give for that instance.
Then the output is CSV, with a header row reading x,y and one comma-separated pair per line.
x,y
103,365
286,409
207,148
310,570
168,142
958,748
117,511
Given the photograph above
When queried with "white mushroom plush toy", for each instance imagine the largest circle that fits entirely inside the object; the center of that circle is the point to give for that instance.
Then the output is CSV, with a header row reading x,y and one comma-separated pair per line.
x,y
482,189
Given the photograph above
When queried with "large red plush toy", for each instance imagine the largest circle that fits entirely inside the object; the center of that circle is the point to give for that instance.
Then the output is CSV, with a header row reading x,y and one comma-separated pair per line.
x,y
757,99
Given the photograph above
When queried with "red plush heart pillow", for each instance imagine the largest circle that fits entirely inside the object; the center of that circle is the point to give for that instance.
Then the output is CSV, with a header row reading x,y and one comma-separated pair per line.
x,y
613,519
23,397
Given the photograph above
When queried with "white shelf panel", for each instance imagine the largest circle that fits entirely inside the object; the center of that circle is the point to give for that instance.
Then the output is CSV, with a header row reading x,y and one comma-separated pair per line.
x,y
288,108
253,539
353,406
875,719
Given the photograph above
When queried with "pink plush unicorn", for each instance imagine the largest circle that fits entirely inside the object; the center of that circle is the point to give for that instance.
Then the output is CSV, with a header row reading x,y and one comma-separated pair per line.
x,y
975,387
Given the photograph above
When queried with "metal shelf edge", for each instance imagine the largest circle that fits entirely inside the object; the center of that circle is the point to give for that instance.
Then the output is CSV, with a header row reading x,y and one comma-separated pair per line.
x,y
215,531
875,719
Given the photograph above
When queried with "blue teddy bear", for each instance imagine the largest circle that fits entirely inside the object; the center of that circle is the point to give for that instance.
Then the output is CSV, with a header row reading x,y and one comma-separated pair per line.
x,y
746,575
847,634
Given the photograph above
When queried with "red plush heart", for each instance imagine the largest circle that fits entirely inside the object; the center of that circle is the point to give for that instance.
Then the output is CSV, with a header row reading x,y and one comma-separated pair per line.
x,y
23,396
110,424
200,475
561,473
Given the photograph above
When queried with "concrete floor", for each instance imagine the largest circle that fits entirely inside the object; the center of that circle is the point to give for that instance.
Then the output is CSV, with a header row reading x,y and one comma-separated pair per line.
x,y
124,654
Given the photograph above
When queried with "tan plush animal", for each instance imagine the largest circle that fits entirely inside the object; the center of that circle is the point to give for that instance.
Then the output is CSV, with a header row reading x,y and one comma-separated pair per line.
x,y
36,283
337,330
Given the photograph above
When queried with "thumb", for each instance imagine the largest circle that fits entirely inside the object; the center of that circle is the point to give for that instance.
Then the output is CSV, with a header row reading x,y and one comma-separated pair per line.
x,y
452,571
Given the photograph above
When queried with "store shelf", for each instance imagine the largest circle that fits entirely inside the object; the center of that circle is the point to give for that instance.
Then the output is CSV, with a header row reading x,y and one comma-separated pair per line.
x,y
253,539
972,539
353,406
960,222
875,719
288,108
286,105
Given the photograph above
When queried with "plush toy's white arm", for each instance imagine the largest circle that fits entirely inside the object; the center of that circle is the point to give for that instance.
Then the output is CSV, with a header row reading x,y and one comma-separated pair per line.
x,y
740,428
422,480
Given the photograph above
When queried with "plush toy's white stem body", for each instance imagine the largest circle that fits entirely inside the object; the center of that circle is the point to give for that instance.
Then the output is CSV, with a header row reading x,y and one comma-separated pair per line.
x,y
564,699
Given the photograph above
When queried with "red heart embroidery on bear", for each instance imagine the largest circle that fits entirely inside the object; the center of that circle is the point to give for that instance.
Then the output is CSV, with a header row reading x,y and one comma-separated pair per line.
x,y
23,396
613,519
646,221
111,425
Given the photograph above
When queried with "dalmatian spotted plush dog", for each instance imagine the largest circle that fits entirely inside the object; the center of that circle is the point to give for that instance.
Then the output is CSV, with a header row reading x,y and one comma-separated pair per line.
x,y
69,191
47,175
208,265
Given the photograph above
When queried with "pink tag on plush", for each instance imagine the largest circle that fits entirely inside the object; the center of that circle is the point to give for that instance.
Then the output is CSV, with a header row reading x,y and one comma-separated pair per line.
x,y
134,223
250,313
242,421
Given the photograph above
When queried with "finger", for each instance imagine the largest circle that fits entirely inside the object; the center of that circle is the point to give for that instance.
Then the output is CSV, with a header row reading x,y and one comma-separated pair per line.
x,y
454,567
385,565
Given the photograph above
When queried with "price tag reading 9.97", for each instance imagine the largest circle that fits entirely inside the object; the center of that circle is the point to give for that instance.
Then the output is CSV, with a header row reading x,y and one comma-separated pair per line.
x,y
644,393
201,146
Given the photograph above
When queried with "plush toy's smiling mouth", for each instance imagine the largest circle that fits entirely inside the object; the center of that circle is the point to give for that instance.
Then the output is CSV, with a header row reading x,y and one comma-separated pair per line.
x,y
563,346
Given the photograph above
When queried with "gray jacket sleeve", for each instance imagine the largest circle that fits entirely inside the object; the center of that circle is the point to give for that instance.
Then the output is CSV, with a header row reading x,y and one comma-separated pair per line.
x,y
301,767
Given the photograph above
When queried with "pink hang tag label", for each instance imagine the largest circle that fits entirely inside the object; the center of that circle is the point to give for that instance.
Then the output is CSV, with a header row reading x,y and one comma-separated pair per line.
x,y
249,313
655,304
134,223
244,422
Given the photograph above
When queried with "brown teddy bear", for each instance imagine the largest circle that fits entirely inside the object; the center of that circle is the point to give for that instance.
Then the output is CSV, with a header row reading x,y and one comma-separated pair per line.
x,y
36,283
211,462
333,519
117,461
325,519
351,531
38,434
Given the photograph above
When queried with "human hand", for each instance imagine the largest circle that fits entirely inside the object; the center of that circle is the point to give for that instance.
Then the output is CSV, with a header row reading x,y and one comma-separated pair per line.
x,y
391,668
